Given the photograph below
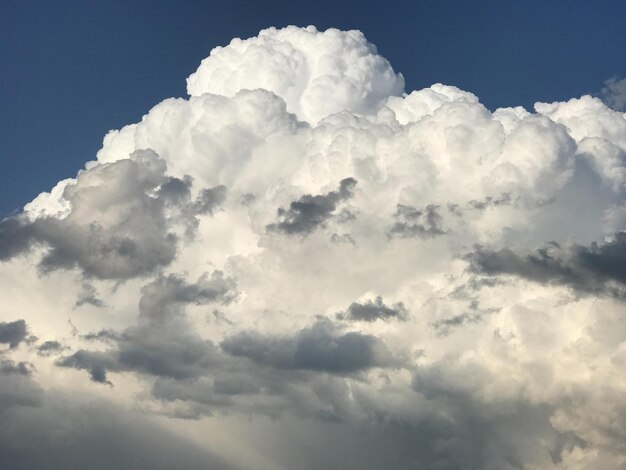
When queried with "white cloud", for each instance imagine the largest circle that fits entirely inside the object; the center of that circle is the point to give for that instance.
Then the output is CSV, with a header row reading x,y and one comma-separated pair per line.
x,y
309,185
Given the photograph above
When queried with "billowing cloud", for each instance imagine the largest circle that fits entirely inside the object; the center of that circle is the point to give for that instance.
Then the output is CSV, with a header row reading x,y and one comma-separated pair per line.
x,y
302,252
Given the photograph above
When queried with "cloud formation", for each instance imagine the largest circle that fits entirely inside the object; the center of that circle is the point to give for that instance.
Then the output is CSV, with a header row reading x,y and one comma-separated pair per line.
x,y
302,252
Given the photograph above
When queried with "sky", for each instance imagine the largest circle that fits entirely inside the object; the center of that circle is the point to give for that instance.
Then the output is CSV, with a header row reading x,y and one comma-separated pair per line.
x,y
73,70
395,239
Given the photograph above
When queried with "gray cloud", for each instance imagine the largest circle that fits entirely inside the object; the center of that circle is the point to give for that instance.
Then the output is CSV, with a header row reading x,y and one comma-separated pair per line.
x,y
97,363
89,296
412,222
50,348
13,333
503,199
310,212
67,432
162,343
468,432
140,205
175,191
597,268
317,348
15,237
614,93
10,367
373,310
17,387
445,325
210,199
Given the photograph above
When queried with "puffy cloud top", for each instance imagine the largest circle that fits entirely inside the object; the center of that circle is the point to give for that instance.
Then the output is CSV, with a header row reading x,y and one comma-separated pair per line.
x,y
316,73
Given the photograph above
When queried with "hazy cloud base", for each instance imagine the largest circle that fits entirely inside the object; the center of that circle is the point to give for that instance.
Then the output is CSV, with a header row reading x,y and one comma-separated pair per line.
x,y
301,266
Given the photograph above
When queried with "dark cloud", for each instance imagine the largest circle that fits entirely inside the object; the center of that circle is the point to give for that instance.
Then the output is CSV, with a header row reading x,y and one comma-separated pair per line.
x,y
373,310
119,225
96,362
10,367
597,268
468,431
474,313
163,298
162,343
317,348
310,212
209,200
17,387
503,199
15,237
446,324
412,222
133,241
175,191
50,348
68,432
342,238
106,335
89,296
13,333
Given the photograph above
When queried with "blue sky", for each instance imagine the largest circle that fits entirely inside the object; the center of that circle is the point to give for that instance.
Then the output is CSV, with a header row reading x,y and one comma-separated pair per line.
x,y
72,70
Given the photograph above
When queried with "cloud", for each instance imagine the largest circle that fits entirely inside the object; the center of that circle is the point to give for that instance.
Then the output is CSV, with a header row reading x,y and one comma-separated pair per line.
x,y
17,387
316,73
411,222
310,212
50,348
219,266
119,223
373,310
317,348
13,333
89,296
8,367
162,343
614,93
94,434
595,268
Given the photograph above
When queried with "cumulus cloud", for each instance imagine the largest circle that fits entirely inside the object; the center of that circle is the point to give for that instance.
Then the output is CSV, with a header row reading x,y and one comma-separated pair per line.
x,y
302,252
